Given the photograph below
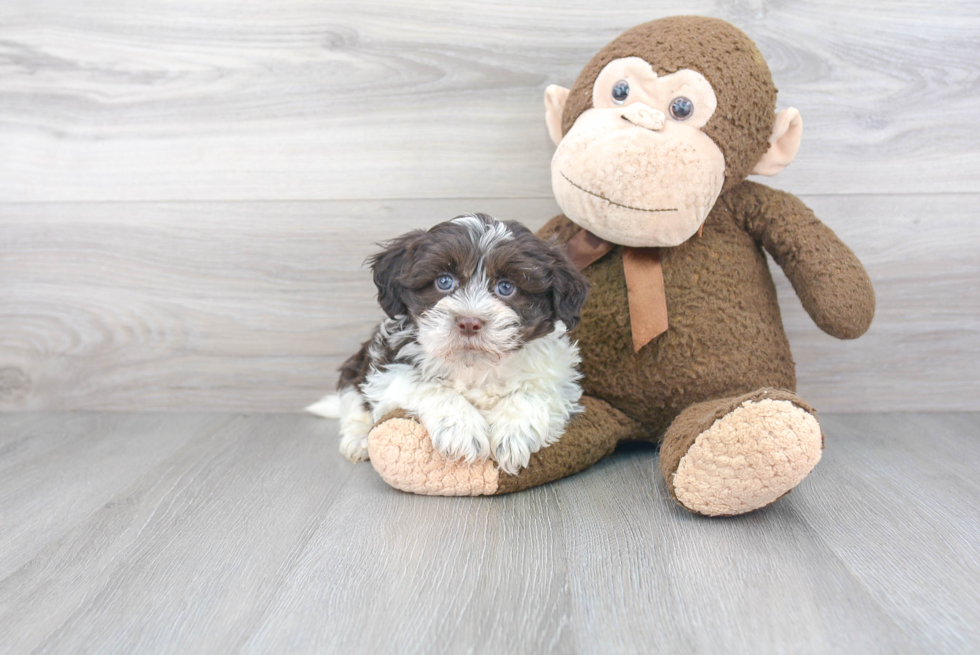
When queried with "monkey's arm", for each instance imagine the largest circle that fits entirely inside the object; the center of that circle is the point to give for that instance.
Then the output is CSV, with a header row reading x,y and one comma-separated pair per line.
x,y
832,284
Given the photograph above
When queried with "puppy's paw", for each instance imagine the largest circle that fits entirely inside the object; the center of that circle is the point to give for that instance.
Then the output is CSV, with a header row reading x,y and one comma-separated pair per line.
x,y
354,447
355,424
460,434
513,441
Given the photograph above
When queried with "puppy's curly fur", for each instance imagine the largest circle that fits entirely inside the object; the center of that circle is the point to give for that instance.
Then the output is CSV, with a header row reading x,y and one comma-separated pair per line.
x,y
475,344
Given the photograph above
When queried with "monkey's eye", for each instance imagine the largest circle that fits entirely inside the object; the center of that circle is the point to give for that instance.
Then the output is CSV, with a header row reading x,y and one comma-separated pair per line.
x,y
505,288
620,91
445,282
681,108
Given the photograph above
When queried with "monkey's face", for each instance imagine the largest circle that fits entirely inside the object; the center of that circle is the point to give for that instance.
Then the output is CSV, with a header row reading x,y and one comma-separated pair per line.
x,y
636,169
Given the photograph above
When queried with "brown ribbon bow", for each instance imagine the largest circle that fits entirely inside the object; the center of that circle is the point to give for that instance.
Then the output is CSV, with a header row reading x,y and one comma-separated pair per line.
x,y
644,283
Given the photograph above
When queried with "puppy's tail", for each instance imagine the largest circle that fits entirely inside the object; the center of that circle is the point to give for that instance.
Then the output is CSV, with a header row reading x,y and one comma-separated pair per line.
x,y
326,407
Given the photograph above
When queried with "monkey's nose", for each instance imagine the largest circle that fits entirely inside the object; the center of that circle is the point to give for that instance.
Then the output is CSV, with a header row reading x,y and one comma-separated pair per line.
x,y
470,326
644,116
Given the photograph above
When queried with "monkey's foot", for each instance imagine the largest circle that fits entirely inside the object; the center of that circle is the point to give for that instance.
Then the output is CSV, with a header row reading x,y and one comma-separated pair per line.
x,y
735,455
402,454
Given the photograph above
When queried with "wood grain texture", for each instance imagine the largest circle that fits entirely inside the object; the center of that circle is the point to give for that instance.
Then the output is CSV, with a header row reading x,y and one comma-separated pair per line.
x,y
704,585
188,305
255,536
185,558
54,475
182,231
252,306
301,99
915,476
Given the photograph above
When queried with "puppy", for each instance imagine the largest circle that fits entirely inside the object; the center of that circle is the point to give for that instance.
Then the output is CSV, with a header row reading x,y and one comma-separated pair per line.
x,y
475,344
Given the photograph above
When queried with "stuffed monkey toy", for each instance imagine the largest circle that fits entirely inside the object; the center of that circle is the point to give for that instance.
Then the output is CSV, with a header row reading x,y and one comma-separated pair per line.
x,y
681,337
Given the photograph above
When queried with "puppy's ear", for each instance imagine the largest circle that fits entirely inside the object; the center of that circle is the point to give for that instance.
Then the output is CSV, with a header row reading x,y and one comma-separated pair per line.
x,y
569,290
389,267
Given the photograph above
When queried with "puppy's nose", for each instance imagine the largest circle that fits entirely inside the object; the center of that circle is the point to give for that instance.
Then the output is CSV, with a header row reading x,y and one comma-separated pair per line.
x,y
470,326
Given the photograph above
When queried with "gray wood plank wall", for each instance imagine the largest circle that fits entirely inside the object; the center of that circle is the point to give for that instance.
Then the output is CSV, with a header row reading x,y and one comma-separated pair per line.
x,y
187,190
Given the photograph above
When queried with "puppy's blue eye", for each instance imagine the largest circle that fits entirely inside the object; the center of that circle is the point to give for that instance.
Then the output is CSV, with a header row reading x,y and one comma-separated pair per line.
x,y
505,288
445,282
620,91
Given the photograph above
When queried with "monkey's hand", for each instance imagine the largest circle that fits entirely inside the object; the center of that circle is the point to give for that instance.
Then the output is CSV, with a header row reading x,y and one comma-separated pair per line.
x,y
832,284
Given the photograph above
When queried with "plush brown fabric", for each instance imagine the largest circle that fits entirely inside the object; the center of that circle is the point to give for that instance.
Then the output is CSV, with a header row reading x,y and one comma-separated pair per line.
x,y
590,436
725,338
726,56
828,278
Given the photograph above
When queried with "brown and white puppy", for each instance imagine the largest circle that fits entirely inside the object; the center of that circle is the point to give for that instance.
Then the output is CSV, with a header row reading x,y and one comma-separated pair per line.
x,y
474,346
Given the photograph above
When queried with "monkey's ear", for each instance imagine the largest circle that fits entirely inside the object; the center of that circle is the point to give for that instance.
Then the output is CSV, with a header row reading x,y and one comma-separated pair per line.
x,y
783,144
554,104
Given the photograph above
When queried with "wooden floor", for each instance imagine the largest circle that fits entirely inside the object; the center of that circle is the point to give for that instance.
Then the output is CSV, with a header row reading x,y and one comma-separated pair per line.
x,y
228,533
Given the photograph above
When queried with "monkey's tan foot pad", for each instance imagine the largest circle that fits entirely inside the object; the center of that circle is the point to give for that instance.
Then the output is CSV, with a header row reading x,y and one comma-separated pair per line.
x,y
402,454
748,458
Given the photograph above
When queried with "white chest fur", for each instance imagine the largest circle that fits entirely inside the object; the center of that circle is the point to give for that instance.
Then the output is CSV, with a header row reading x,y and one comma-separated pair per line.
x,y
512,406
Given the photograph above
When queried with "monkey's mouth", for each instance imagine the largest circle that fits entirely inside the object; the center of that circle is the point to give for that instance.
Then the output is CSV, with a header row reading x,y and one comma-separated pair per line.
x,y
613,202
